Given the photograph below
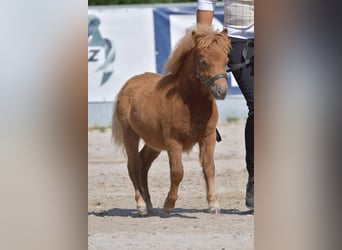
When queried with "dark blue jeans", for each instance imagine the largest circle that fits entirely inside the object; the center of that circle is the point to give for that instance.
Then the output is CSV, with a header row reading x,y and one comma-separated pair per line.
x,y
245,79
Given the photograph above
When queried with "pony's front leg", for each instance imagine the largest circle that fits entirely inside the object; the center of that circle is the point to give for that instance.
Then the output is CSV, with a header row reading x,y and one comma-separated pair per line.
x,y
207,147
176,173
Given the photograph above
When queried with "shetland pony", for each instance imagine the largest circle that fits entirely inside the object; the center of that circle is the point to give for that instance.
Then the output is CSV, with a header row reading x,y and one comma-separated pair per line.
x,y
173,112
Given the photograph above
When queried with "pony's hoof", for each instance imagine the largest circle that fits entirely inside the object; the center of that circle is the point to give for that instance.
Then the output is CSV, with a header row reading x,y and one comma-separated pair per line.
x,y
169,206
142,210
168,210
149,207
150,210
214,210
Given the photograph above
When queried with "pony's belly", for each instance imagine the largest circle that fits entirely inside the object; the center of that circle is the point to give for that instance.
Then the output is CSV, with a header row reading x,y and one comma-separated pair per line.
x,y
151,135
155,142
155,145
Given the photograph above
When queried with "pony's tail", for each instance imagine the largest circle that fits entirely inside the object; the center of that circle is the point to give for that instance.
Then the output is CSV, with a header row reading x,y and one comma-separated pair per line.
x,y
117,135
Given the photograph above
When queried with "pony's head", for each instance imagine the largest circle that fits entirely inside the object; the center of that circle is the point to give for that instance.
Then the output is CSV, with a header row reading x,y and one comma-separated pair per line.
x,y
211,57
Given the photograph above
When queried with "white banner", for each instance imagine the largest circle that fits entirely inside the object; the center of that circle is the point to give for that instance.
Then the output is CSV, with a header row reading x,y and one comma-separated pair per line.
x,y
120,45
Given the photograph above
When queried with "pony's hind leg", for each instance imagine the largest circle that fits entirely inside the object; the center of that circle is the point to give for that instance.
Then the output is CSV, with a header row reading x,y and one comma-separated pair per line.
x,y
207,161
134,166
147,156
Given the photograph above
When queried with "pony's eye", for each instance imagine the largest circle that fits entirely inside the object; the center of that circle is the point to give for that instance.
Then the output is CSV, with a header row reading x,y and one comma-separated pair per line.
x,y
203,63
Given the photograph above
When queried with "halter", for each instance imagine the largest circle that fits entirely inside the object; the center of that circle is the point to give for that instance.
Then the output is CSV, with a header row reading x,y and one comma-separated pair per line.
x,y
210,81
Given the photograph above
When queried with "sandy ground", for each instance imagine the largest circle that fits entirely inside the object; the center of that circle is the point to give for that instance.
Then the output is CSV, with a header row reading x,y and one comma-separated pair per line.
x,y
113,222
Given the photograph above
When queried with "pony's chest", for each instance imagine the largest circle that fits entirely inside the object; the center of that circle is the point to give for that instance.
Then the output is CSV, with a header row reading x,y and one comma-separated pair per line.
x,y
190,131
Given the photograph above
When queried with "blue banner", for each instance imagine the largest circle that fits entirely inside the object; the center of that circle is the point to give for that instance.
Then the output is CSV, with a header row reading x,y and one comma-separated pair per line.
x,y
170,24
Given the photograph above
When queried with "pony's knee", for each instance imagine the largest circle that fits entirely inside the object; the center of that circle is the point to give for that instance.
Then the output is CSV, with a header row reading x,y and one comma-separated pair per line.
x,y
209,171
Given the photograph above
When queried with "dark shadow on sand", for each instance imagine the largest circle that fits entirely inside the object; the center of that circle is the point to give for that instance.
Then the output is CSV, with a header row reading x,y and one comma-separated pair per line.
x,y
159,212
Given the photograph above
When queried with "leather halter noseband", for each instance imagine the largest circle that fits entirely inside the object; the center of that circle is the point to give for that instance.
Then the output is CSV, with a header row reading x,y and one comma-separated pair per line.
x,y
211,80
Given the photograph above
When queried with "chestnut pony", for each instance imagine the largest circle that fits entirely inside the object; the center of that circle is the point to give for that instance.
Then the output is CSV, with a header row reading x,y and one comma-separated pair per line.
x,y
173,112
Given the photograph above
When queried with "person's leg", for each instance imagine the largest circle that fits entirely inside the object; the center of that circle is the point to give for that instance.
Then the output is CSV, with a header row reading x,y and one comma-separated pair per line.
x,y
245,79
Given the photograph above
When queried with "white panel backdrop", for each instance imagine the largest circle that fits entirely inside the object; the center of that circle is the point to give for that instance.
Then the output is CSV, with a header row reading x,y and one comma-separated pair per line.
x,y
130,33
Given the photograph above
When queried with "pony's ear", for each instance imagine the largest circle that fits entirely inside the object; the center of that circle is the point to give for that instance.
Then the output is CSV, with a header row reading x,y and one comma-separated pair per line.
x,y
225,31
195,36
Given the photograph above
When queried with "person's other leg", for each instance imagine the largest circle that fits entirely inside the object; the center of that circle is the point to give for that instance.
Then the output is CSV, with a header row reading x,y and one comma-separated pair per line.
x,y
245,79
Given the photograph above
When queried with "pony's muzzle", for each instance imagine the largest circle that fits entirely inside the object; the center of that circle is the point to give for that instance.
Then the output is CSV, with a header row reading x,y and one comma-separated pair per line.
x,y
219,92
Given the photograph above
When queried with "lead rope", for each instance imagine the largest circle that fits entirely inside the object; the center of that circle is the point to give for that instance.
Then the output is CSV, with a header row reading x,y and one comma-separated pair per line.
x,y
218,136
246,61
